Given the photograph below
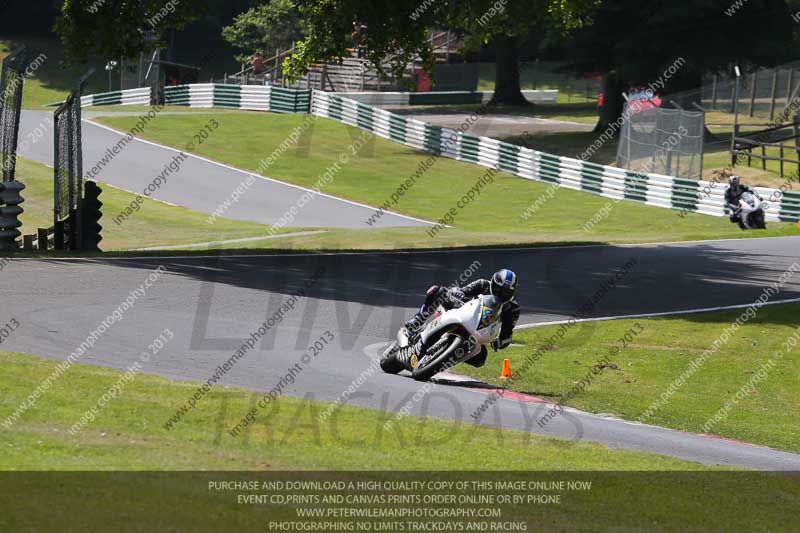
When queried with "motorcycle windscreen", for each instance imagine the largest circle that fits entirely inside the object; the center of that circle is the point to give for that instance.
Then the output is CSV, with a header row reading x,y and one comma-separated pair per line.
x,y
490,311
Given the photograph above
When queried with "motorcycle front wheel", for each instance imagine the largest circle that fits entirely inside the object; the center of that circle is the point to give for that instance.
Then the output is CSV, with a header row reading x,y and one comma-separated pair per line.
x,y
432,364
389,362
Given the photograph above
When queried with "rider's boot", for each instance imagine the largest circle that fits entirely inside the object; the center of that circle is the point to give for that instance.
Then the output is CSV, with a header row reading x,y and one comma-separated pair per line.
x,y
413,324
434,294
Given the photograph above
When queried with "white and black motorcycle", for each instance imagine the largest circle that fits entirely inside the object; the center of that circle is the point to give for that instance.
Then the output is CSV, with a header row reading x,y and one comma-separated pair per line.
x,y
448,338
751,212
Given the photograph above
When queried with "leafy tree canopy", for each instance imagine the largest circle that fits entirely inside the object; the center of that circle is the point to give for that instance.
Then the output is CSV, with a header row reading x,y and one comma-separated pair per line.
x,y
639,40
265,28
398,30
118,28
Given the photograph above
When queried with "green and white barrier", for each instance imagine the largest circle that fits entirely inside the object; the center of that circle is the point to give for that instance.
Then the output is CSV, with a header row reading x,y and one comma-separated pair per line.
x,y
217,95
611,182
248,97
140,96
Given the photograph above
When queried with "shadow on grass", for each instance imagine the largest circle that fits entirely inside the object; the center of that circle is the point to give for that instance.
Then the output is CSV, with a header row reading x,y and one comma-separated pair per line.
x,y
54,73
532,110
568,144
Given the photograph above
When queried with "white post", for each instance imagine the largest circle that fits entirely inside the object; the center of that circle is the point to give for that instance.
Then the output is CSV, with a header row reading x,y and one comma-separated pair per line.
x,y
735,114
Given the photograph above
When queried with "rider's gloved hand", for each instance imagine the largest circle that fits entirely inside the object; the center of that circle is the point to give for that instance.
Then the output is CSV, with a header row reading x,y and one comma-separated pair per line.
x,y
456,298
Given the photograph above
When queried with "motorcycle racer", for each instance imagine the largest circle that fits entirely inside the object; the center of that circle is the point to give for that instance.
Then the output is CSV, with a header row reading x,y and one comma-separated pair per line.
x,y
503,285
733,193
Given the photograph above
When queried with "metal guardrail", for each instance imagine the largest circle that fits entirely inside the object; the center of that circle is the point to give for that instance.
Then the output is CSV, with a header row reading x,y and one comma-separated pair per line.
x,y
652,189
139,96
257,97
246,97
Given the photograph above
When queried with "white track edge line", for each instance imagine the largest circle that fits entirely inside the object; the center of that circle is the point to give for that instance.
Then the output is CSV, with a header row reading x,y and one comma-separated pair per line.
x,y
649,315
604,417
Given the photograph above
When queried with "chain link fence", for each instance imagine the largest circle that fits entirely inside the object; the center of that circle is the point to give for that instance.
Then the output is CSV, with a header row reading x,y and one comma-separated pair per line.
x,y
68,162
68,171
11,80
662,141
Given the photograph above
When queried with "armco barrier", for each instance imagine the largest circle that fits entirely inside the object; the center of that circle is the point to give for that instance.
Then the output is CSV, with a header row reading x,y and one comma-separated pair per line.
x,y
265,98
139,96
219,95
248,97
651,189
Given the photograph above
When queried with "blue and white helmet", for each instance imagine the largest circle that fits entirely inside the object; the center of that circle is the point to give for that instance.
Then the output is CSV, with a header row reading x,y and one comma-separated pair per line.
x,y
504,284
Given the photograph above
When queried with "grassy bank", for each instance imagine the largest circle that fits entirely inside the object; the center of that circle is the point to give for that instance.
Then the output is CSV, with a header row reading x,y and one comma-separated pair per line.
x,y
505,211
129,434
632,374
154,224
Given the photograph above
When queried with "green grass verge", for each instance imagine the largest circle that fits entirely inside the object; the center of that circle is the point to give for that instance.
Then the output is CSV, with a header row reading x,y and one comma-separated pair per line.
x,y
584,113
573,143
544,76
576,112
50,81
764,174
637,374
717,154
154,224
568,144
129,434
495,217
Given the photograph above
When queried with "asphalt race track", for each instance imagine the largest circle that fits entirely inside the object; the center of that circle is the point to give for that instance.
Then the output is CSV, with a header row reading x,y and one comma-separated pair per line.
x,y
200,184
213,304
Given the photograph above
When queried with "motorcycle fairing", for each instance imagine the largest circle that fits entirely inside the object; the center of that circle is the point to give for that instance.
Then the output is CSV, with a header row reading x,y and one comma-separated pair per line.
x,y
480,318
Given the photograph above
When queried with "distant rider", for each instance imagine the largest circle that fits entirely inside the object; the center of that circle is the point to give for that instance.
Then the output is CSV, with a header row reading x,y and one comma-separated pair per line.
x,y
503,285
733,193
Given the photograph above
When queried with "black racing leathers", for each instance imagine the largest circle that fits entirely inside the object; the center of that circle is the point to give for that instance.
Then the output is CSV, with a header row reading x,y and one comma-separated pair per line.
x,y
455,297
732,198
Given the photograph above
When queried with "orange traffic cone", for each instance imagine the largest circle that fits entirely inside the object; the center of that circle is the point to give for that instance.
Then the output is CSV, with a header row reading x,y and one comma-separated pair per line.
x,y
506,373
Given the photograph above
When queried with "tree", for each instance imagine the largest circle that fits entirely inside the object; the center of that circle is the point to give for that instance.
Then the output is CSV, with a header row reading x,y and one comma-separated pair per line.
x,y
264,28
397,31
676,43
110,28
